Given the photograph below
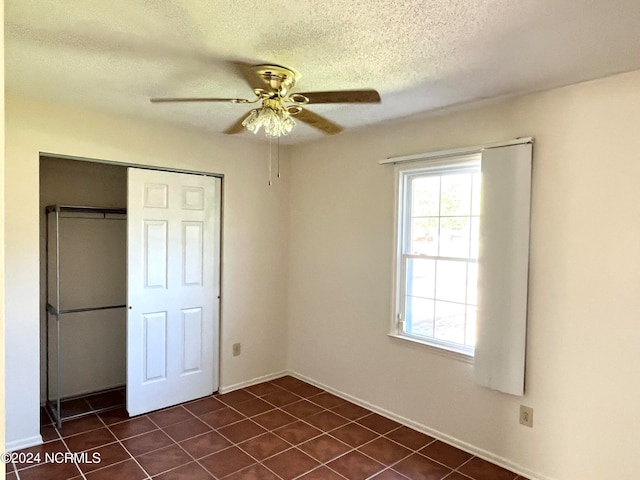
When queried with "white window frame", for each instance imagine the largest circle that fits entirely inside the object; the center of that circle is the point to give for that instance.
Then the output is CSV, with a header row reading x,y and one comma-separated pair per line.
x,y
404,173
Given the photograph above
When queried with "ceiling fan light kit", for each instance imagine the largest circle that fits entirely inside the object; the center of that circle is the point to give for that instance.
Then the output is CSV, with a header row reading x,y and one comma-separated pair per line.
x,y
273,117
271,85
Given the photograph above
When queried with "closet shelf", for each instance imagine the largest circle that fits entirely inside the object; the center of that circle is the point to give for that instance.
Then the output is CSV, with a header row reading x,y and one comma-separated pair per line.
x,y
85,209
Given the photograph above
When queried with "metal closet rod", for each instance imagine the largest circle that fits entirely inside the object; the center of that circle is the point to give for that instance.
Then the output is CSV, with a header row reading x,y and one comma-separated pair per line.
x,y
84,209
53,310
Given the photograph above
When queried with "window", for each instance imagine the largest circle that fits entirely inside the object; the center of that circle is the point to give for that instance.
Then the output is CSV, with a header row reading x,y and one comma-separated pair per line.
x,y
462,256
439,214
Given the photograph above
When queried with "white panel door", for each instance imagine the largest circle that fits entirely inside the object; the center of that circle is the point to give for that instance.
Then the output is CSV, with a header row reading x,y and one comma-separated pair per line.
x,y
173,258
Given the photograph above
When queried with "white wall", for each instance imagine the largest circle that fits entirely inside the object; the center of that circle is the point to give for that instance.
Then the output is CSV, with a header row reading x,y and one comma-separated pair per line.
x,y
254,236
583,359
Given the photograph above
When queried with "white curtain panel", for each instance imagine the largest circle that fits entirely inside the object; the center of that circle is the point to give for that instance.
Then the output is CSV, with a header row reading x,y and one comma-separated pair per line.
x,y
503,268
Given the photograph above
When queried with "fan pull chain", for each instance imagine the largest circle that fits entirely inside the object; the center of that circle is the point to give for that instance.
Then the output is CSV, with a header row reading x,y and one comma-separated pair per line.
x,y
269,161
278,157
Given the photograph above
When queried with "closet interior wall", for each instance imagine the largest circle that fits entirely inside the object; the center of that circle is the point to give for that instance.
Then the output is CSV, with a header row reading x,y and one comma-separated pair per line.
x,y
93,344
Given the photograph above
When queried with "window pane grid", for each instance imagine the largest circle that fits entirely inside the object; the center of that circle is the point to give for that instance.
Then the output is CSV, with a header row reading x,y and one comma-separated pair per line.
x,y
436,257
448,301
438,304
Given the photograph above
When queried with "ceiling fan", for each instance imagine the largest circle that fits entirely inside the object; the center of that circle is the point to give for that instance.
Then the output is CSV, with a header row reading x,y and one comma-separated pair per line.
x,y
271,85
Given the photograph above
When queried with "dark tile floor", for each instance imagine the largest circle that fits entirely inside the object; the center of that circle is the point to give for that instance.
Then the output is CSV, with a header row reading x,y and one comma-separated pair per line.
x,y
280,430
93,403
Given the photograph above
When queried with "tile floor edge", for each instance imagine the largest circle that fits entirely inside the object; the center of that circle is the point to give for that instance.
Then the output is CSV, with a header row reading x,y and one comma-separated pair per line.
x,y
253,381
467,447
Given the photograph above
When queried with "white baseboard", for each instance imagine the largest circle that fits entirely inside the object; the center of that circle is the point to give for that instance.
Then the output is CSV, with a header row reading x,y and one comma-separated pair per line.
x,y
23,443
253,381
478,452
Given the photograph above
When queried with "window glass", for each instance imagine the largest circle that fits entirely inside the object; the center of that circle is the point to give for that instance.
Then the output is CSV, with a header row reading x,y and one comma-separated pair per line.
x,y
439,258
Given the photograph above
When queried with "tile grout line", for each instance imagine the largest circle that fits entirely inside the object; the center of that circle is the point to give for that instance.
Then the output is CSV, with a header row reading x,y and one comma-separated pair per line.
x,y
118,440
197,461
237,444
177,443
457,470
412,450
379,435
232,443
462,465
74,458
327,432
272,431
158,428
64,443
322,433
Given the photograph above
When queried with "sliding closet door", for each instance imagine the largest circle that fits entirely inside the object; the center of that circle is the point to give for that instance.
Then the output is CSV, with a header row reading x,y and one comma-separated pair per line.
x,y
172,288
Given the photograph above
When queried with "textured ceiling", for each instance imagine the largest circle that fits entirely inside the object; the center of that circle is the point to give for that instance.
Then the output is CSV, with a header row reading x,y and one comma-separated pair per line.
x,y
421,55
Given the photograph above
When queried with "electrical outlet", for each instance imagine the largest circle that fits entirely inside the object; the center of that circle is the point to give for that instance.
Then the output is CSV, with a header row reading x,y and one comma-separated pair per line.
x,y
526,416
236,349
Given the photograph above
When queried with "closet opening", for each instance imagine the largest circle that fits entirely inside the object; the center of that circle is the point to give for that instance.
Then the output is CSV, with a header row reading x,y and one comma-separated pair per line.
x,y
83,287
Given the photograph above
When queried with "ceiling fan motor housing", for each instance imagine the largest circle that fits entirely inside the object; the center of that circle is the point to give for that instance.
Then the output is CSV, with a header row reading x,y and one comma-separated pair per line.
x,y
278,80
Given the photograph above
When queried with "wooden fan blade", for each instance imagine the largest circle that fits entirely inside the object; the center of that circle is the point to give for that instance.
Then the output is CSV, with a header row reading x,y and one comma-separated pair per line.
x,y
343,96
317,121
205,99
237,126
